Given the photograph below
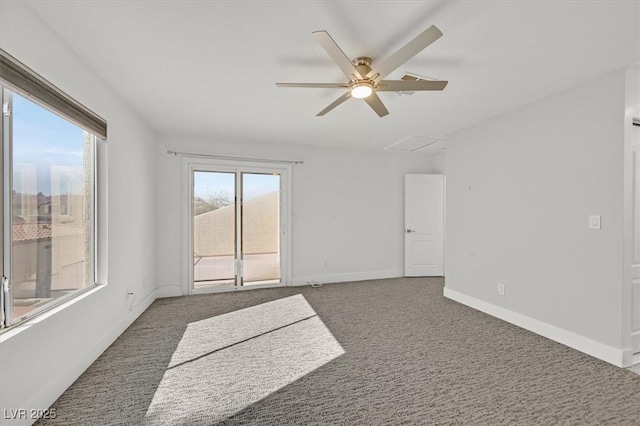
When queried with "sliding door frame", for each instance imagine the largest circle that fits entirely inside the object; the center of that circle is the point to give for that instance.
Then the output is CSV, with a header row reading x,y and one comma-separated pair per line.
x,y
191,165
6,146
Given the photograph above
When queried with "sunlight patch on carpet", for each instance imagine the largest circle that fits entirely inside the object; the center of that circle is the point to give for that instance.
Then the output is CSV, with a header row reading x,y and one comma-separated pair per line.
x,y
224,364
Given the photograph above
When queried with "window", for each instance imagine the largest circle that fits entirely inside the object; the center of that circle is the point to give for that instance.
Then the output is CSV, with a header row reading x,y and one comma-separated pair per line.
x,y
49,146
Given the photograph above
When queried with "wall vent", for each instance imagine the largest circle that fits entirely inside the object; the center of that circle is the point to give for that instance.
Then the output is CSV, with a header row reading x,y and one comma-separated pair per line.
x,y
413,77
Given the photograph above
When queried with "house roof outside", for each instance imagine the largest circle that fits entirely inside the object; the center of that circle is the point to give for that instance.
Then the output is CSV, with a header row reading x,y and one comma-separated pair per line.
x,y
35,231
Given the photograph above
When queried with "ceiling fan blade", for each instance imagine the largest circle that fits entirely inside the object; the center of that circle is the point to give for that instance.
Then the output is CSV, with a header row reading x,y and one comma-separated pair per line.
x,y
337,54
376,104
334,104
315,85
405,53
409,86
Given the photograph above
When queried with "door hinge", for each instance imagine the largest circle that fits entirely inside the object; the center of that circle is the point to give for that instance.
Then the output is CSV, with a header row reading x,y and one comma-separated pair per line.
x,y
5,284
6,112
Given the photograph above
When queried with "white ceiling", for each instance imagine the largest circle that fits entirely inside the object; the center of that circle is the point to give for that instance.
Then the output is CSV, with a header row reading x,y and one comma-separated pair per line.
x,y
209,68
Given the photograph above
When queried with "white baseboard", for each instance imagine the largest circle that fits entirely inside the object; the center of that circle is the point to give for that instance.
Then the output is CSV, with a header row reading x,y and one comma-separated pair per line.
x,y
591,347
347,277
169,291
628,358
176,290
59,383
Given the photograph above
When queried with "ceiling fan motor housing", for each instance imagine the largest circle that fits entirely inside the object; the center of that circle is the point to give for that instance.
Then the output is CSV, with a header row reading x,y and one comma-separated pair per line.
x,y
361,87
363,65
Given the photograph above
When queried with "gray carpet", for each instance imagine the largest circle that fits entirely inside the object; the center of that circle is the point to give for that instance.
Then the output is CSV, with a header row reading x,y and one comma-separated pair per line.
x,y
368,353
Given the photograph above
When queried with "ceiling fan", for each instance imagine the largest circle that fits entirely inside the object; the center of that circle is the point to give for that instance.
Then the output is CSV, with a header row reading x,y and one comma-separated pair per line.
x,y
365,81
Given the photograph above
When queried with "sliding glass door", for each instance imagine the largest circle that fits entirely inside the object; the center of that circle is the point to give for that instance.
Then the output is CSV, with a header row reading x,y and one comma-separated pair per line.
x,y
260,229
214,229
236,228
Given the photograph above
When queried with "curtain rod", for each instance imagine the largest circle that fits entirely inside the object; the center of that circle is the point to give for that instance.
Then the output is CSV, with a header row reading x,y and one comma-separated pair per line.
x,y
230,157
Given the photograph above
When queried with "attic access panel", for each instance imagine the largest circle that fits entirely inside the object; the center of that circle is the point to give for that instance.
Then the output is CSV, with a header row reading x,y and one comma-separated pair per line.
x,y
412,143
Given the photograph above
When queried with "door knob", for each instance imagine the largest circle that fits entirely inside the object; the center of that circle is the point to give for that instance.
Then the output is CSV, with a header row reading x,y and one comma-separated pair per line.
x,y
408,231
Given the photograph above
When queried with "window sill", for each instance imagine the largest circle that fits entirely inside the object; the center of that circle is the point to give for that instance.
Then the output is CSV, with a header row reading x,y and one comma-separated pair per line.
x,y
15,329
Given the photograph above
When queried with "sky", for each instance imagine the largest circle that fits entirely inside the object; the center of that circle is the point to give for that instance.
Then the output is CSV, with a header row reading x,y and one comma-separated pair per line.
x,y
45,144
254,185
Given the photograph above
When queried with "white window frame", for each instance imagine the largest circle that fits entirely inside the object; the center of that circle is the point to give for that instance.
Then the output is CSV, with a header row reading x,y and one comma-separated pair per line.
x,y
191,164
98,205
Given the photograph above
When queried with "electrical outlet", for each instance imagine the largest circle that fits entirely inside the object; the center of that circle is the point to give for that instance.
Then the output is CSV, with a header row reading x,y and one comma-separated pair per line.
x,y
501,289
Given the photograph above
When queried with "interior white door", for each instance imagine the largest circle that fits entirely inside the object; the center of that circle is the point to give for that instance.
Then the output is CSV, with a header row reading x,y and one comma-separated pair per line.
x,y
635,249
424,225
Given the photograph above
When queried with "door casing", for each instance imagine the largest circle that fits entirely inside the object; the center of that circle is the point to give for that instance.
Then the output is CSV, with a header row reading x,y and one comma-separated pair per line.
x,y
189,166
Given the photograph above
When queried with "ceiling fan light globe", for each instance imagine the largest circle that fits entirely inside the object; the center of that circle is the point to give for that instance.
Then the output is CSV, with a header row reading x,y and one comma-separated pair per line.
x,y
361,90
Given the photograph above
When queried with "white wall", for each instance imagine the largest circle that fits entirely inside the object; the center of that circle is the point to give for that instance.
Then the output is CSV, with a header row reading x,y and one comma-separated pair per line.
x,y
347,208
520,189
439,162
39,361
